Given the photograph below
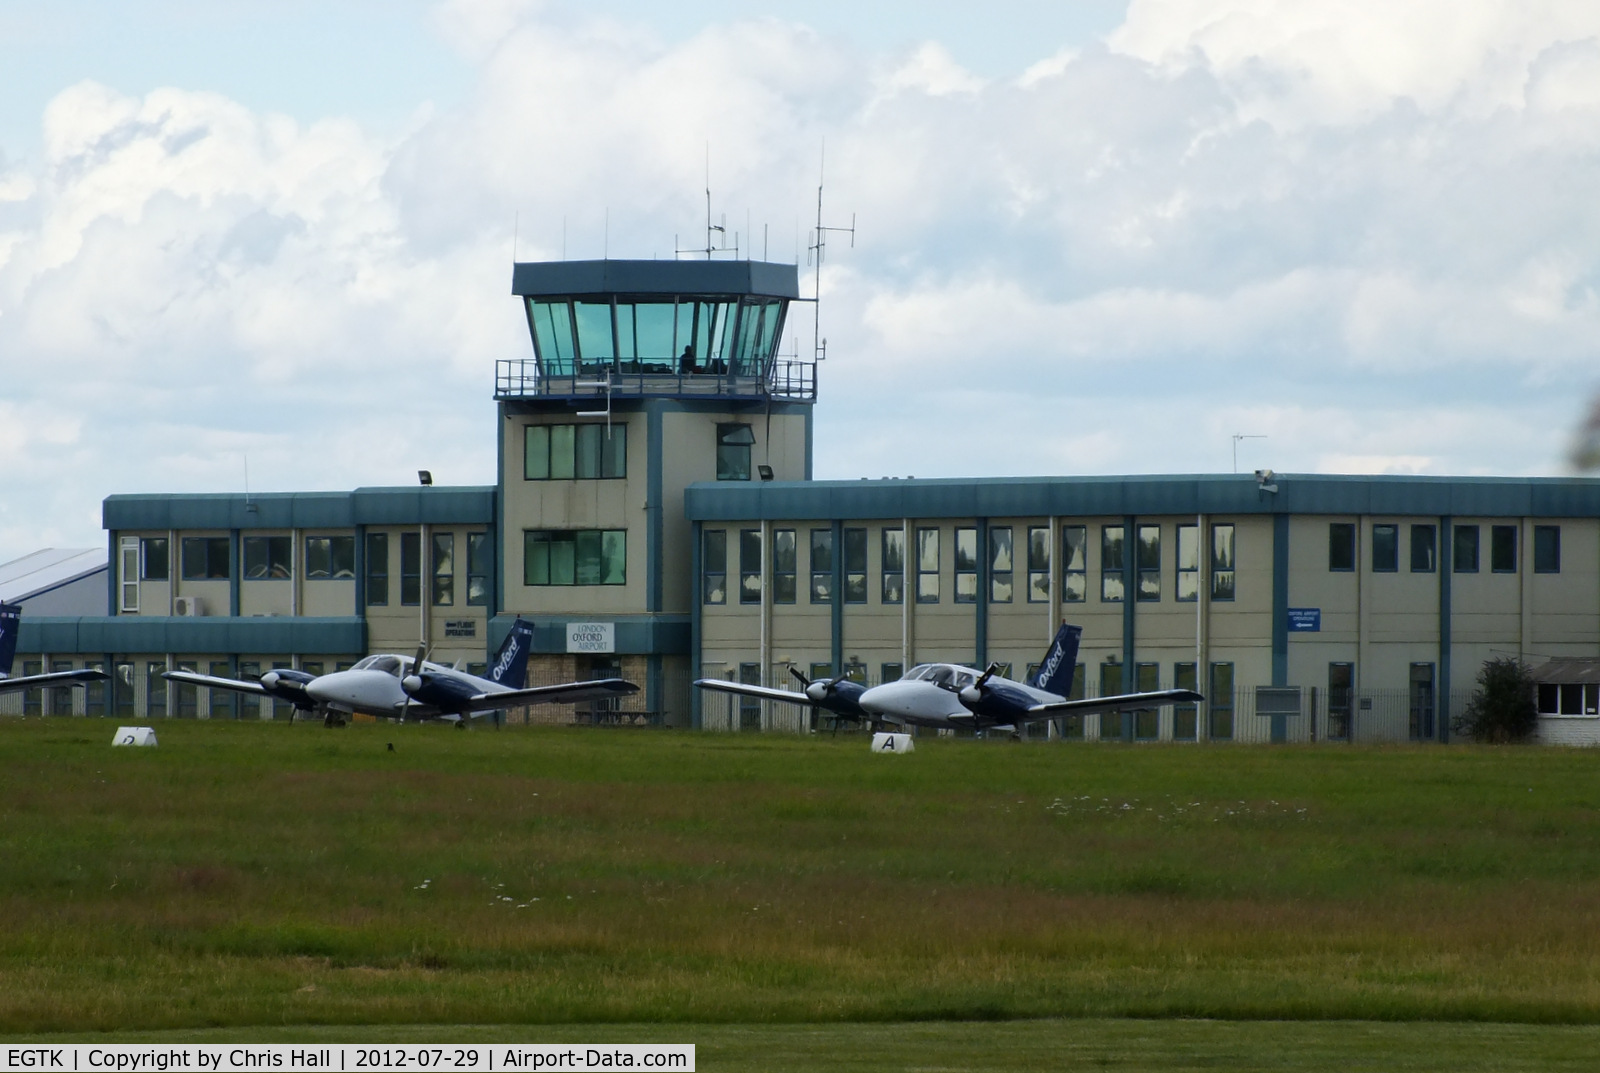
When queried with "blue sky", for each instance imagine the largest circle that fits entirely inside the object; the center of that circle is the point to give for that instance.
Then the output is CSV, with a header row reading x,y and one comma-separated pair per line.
x,y
1097,237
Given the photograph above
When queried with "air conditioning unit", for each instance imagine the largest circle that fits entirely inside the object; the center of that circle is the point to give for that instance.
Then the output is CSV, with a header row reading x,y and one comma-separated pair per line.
x,y
189,606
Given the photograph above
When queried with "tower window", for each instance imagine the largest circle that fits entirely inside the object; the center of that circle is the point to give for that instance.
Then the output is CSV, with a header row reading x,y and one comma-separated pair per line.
x,y
733,452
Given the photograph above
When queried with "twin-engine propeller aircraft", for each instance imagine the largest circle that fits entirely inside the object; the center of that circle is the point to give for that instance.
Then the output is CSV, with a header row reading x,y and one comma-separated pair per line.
x,y
410,687
10,626
948,696
839,697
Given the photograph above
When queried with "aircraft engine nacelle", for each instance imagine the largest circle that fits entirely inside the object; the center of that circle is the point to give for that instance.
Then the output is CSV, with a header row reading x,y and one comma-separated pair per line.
x,y
995,701
439,691
290,685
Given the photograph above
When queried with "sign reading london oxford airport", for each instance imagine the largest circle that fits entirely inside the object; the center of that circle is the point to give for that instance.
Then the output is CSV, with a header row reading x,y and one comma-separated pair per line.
x,y
591,637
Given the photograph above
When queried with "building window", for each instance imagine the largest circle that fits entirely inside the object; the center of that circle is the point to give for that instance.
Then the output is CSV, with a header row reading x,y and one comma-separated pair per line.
x,y
714,566
1146,721
155,690
1464,553
894,566
1385,549
1038,564
1219,703
822,566
1000,571
750,707
444,569
222,700
1569,698
575,557
206,558
1222,562
1422,702
94,693
1074,564
1149,554
749,566
1503,549
268,558
1111,686
377,569
733,452
1069,726
122,690
187,700
1111,563
891,672
966,565
410,569
1188,563
574,452
855,566
1547,549
249,704
1341,690
478,563
785,566
155,560
128,574
927,566
1424,548
1341,546
1185,717
330,557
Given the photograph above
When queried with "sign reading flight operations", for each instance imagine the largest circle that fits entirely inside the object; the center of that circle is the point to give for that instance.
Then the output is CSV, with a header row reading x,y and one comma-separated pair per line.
x,y
591,637
461,628
1305,620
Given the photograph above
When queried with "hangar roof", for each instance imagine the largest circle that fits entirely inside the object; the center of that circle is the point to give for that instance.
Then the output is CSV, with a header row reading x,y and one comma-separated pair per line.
x,y
411,505
1207,493
46,569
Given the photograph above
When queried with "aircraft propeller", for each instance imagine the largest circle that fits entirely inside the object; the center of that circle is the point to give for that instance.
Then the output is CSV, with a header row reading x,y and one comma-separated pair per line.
x,y
973,694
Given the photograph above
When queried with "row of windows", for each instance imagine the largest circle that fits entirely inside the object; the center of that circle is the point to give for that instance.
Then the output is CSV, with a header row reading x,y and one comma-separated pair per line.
x,y
327,558
1465,548
1006,568
575,557
600,452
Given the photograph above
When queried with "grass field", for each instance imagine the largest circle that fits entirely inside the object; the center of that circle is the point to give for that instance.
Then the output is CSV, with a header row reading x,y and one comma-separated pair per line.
x,y
267,875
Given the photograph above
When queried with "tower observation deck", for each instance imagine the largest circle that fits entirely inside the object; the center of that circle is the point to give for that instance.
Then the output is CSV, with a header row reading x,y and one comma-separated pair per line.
x,y
659,329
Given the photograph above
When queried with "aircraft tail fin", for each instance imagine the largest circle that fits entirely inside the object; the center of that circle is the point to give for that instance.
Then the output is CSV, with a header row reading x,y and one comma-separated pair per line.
x,y
1060,662
10,625
510,667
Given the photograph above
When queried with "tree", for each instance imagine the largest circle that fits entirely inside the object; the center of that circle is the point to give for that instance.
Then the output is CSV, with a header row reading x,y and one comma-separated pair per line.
x,y
1503,708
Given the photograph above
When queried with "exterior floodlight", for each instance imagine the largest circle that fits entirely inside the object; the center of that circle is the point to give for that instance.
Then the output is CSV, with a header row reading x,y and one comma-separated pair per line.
x,y
425,477
765,471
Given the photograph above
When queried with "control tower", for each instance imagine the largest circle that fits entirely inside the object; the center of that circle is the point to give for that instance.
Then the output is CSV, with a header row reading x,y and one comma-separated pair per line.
x,y
646,376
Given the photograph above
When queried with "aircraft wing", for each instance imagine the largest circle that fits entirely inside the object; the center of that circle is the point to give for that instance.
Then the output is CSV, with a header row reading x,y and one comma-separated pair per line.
x,y
235,684
720,685
1055,708
54,678
565,693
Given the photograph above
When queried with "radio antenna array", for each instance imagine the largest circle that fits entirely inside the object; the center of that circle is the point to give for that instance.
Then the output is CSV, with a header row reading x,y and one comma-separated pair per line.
x,y
714,246
816,250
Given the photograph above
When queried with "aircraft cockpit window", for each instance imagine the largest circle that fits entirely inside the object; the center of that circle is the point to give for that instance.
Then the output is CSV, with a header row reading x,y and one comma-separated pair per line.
x,y
964,679
917,673
386,664
363,664
941,677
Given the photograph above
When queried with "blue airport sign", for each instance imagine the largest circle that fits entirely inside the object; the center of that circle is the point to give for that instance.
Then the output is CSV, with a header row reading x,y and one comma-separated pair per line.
x,y
1305,620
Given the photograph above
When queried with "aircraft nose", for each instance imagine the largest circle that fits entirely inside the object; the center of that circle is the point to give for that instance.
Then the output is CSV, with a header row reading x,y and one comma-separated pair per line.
x,y
880,700
317,688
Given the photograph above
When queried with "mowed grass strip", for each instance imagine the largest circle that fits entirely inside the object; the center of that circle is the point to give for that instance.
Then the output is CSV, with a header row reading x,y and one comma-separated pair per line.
x,y
249,874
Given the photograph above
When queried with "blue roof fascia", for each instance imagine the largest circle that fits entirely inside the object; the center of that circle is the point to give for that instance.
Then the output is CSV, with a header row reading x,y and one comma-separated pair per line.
x,y
1007,497
300,510
636,635
557,279
100,634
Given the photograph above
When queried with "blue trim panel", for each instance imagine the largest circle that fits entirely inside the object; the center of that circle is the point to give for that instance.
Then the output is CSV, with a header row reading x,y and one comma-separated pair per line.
x,y
556,279
1215,494
1280,616
150,633
301,510
637,635
113,569
811,440
501,480
633,404
654,538
696,592
980,617
1130,612
1446,562
836,648
235,561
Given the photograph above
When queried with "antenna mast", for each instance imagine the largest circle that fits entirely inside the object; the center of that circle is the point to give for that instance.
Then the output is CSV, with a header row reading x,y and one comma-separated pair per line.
x,y
814,254
711,249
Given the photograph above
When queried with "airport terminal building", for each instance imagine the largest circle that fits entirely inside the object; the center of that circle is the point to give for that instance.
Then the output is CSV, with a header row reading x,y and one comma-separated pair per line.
x,y
654,515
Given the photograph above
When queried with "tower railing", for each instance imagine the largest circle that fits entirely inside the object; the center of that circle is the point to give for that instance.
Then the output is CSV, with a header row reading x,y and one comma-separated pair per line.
x,y
786,379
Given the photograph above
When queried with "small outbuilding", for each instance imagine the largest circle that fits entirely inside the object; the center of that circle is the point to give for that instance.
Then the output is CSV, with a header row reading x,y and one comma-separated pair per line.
x,y
1568,699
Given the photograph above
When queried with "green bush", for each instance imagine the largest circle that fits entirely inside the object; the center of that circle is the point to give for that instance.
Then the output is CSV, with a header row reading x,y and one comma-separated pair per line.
x,y
1503,709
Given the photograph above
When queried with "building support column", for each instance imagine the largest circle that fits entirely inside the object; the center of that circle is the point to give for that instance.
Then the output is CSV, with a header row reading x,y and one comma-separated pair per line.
x,y
1130,600
980,624
1280,617
1446,562
696,610
836,612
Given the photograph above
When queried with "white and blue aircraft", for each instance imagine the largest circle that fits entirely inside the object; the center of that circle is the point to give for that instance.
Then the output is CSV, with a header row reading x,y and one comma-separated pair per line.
x,y
10,625
410,687
948,696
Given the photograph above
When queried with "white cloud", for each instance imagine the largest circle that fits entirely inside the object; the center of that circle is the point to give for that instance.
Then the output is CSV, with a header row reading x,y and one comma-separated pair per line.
x,y
1364,230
